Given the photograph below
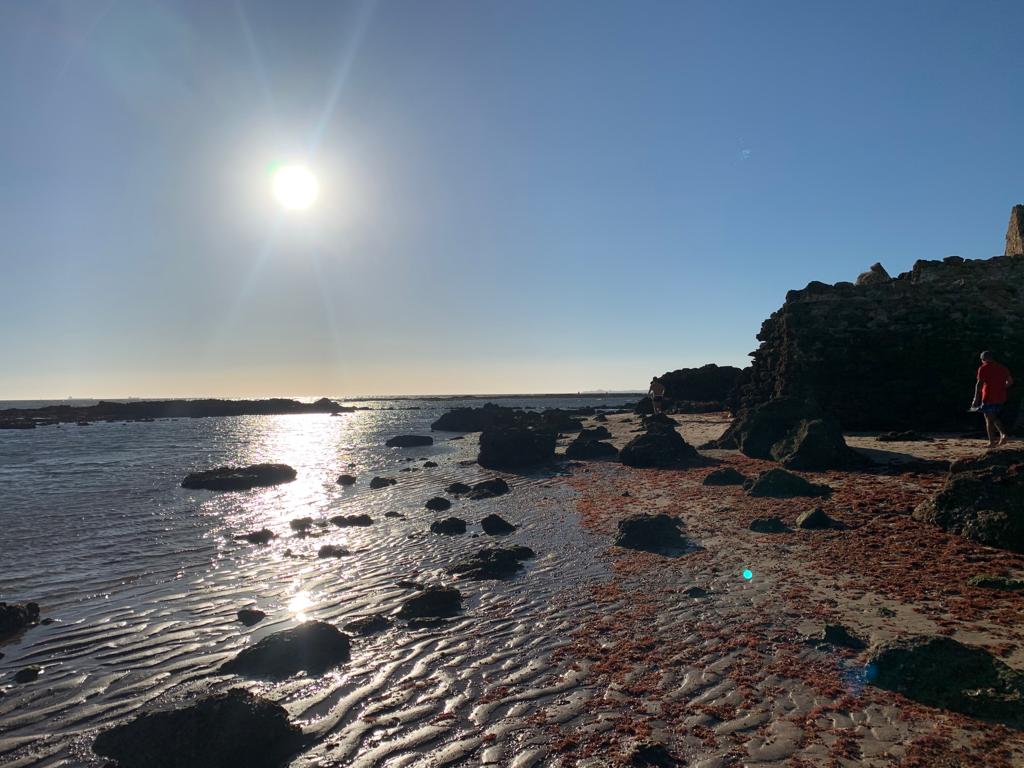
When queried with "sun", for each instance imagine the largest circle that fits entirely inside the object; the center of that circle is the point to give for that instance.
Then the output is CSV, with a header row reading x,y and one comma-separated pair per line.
x,y
295,187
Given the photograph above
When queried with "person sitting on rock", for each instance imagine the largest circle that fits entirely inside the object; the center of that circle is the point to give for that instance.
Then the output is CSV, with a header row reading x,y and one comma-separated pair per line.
x,y
990,396
657,393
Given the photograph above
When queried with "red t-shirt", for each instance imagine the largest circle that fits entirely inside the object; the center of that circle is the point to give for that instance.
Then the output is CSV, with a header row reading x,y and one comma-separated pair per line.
x,y
993,378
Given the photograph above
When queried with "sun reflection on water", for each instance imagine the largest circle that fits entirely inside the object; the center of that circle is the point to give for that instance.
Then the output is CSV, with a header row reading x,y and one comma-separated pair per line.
x,y
299,604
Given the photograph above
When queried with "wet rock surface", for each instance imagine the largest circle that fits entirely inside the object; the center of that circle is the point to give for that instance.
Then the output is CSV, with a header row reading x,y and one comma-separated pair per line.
x,y
780,484
369,625
457,489
492,563
409,441
432,602
991,581
313,647
332,550
351,521
262,536
488,489
27,674
239,478
438,504
346,480
17,617
382,482
451,526
496,525
250,616
651,533
235,728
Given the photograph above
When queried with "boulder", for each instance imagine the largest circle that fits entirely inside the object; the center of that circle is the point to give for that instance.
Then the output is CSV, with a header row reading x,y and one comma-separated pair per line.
x,y
250,616
239,478
815,445
814,519
235,728
495,525
768,525
585,449
875,275
492,563
651,533
725,476
262,536
409,441
430,464
382,482
438,504
432,602
515,447
17,617
940,672
780,484
369,625
982,500
660,447
456,489
332,550
350,521
488,489
451,526
346,480
313,647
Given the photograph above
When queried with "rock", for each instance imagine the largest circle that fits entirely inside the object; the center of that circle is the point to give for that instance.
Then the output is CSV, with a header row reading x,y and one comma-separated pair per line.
x,y
1015,232
696,592
27,674
332,550
875,275
769,525
17,617
450,525
907,436
780,484
346,480
262,536
707,383
654,420
725,476
369,625
651,533
409,441
382,482
250,616
429,464
982,500
495,525
815,445
990,581
650,754
940,672
349,521
301,524
456,489
398,515
488,489
492,563
432,602
239,478
660,447
597,433
515,447
837,634
601,417
814,519
438,504
586,449
313,647
226,729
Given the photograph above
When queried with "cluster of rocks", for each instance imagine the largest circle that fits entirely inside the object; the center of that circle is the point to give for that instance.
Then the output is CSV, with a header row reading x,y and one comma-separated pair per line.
x,y
492,563
660,446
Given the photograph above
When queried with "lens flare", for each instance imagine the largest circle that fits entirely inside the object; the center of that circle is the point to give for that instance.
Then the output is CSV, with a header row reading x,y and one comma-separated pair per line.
x,y
295,187
748,574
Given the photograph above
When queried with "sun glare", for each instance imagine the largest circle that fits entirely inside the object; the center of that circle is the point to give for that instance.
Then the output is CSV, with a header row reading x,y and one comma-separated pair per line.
x,y
295,187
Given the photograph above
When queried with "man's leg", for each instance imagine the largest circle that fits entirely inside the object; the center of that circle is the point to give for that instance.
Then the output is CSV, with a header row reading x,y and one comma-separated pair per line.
x,y
998,423
990,427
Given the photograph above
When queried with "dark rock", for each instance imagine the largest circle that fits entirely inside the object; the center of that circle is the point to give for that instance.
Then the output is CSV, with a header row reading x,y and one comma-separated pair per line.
x,y
707,383
696,592
769,525
495,525
875,275
1015,232
492,563
409,441
250,616
409,584
301,524
600,417
649,754
815,445
17,617
227,729
27,674
597,433
239,478
982,500
814,519
725,476
650,532
586,449
429,464
399,515
369,625
346,480
941,672
450,526
432,602
780,484
382,482
660,447
262,536
488,489
332,550
313,647
837,634
907,436
350,521
515,447
438,504
455,489
654,420
990,581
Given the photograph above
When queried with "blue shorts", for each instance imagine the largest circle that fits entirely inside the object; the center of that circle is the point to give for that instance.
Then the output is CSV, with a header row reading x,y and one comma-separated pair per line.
x,y
991,407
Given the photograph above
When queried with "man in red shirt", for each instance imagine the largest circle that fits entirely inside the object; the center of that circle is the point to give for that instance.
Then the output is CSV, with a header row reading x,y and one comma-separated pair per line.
x,y
990,396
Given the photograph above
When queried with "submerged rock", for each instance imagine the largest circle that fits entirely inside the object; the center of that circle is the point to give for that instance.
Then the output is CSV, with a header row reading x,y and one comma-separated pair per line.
x,y
515,447
941,672
495,525
251,616
660,447
450,525
313,647
780,484
262,536
301,524
239,478
382,482
725,476
438,504
650,533
432,602
17,617
492,563
488,489
409,441
332,550
349,521
227,729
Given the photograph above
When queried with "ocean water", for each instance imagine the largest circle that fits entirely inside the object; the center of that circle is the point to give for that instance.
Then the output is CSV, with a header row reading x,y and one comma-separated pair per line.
x,y
143,578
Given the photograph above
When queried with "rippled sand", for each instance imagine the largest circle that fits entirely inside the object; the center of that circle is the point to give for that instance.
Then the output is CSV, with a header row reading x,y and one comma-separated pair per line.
x,y
586,651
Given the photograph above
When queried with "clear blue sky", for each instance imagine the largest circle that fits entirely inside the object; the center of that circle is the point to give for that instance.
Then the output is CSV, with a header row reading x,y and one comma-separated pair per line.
x,y
515,196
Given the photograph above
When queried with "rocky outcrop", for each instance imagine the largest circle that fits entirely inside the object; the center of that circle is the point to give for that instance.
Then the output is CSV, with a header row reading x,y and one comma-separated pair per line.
x,y
651,533
1015,232
897,354
491,416
409,441
708,383
875,275
492,563
660,447
983,500
17,617
239,478
262,536
515,447
941,672
313,647
233,728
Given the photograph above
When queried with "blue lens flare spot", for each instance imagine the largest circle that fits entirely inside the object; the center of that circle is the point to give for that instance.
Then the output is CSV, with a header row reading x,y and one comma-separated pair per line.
x,y
748,574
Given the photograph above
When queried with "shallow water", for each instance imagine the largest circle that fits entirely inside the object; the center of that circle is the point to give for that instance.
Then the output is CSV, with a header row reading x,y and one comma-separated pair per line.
x,y
143,580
